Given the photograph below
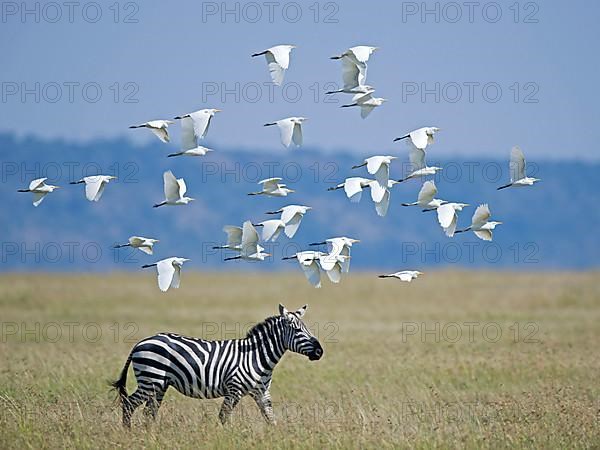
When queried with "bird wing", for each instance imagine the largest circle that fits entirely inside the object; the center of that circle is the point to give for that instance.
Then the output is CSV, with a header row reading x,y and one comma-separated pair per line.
x,y
201,120
249,238
93,188
382,206
271,229
311,270
345,262
447,218
378,167
486,235
481,215
517,164
417,158
38,197
286,129
297,135
405,276
291,225
365,110
136,241
427,192
270,184
171,186
419,138
146,250
181,186
288,213
362,53
278,60
36,183
166,271
161,133
188,136
176,276
335,273
353,188
234,235
351,74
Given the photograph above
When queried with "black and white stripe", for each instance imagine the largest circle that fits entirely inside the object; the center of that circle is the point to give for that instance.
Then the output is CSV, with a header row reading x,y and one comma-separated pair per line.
x,y
211,369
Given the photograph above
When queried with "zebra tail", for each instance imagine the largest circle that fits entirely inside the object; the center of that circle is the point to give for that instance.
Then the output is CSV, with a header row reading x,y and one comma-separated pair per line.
x,y
120,385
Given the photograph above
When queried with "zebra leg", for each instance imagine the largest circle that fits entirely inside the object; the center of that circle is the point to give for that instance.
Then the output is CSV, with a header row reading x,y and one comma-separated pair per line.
x,y
230,402
154,402
263,400
142,394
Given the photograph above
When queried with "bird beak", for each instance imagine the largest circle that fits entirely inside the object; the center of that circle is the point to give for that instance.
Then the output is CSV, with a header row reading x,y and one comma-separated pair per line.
x,y
218,110
268,254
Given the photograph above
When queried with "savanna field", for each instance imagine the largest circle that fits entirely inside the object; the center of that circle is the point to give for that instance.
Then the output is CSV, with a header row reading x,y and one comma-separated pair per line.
x,y
454,359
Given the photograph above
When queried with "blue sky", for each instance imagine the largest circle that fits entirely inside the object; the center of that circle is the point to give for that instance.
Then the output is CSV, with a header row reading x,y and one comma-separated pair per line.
x,y
174,56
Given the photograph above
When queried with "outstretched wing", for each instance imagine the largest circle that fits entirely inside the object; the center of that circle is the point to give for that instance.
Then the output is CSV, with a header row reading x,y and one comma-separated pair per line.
x,y
249,237
182,186
447,218
93,188
291,225
36,183
481,215
278,60
311,270
417,158
286,129
188,136
201,120
486,235
234,235
335,273
353,188
517,164
271,229
419,138
161,133
171,186
352,74
270,184
382,206
38,197
297,135
166,271
427,192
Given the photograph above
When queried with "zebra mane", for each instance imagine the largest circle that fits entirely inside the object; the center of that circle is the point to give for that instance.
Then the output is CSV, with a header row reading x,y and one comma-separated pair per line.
x,y
261,325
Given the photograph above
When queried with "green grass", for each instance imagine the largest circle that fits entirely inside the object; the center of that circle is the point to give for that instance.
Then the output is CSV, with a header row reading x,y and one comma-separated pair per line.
x,y
381,382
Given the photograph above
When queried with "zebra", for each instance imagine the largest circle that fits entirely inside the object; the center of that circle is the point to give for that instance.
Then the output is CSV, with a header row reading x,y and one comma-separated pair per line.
x,y
200,368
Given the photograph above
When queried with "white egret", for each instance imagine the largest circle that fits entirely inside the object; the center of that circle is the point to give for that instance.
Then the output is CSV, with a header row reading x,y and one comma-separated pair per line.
x,y
169,272
425,199
143,244
250,250
290,130
378,166
278,60
334,265
354,67
419,167
420,138
39,189
271,229
272,188
174,189
194,126
94,186
447,215
338,246
480,224
309,263
158,127
234,238
197,151
517,170
366,102
353,187
291,216
404,275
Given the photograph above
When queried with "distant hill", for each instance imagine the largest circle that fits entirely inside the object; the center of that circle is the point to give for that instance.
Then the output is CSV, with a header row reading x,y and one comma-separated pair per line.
x,y
553,225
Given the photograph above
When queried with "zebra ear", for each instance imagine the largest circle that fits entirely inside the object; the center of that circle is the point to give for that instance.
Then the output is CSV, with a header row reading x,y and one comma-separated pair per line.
x,y
282,310
300,312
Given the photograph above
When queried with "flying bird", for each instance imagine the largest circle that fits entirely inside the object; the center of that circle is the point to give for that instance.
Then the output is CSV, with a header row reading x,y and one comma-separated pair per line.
x,y
480,224
353,187
272,188
418,166
366,102
291,216
250,250
309,263
338,246
94,186
379,167
426,198
143,244
278,61
40,189
420,138
354,68
290,130
405,275
169,272
197,151
517,170
158,127
447,215
174,189
194,126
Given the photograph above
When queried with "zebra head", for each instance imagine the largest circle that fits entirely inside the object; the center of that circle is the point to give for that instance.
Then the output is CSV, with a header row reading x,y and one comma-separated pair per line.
x,y
297,337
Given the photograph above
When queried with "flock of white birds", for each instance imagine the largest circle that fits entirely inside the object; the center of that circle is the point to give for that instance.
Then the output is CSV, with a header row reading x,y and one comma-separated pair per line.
x,y
245,240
